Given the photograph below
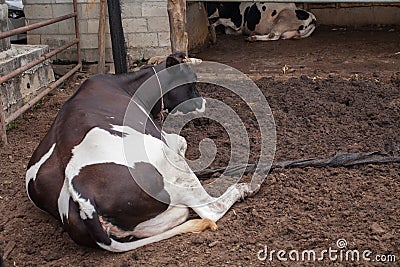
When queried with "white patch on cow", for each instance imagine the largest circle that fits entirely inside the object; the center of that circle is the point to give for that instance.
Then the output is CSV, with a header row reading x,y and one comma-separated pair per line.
x,y
177,113
63,201
203,107
196,111
86,209
31,174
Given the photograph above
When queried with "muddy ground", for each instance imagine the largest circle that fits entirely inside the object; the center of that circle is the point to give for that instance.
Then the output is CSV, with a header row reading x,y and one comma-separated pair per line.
x,y
341,92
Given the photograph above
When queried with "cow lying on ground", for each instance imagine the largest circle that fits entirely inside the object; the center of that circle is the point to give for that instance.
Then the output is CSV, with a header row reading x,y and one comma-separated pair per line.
x,y
121,183
261,21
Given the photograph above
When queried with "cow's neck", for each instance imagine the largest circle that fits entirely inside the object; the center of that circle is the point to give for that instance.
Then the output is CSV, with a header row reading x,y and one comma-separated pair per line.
x,y
148,95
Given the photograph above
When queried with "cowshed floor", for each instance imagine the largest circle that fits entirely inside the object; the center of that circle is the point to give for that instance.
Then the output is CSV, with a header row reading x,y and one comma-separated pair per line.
x,y
340,92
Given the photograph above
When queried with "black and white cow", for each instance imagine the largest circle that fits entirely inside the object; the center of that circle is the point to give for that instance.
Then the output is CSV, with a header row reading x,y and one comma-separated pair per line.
x,y
261,21
112,177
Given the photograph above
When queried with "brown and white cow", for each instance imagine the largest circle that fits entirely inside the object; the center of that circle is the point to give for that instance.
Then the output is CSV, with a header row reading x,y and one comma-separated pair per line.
x,y
111,176
261,21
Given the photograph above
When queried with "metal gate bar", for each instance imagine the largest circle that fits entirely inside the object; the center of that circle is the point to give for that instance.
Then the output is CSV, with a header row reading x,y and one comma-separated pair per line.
x,y
302,1
5,121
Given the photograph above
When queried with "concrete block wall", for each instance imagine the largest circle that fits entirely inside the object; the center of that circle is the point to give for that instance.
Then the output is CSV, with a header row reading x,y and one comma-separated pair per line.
x,y
146,28
19,90
145,23
357,15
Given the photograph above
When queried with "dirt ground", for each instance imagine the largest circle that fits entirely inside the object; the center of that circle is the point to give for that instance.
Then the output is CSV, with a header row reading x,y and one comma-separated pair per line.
x,y
341,92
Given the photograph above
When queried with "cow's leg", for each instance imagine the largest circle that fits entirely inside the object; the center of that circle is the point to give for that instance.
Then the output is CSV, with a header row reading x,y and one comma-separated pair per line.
x,y
169,219
268,37
231,31
185,189
227,23
290,35
176,142
213,34
191,226
217,207
230,28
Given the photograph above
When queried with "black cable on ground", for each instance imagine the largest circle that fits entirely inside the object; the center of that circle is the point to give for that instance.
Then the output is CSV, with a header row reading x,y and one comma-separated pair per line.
x,y
339,160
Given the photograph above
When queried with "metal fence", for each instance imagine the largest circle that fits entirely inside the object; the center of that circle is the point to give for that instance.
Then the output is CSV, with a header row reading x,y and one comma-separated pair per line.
x,y
5,121
302,1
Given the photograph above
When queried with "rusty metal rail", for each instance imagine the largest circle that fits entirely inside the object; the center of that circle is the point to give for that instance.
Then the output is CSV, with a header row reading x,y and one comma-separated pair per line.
x,y
5,121
303,1
36,25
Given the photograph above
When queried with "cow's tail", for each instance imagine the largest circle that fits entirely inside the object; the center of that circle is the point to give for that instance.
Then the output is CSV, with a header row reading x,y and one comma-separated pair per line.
x,y
191,226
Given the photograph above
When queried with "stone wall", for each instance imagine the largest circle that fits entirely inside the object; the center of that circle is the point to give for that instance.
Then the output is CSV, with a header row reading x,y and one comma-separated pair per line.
x,y
145,24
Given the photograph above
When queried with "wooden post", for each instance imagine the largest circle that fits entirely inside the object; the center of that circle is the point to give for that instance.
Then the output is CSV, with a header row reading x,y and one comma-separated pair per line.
x,y
3,132
102,36
177,24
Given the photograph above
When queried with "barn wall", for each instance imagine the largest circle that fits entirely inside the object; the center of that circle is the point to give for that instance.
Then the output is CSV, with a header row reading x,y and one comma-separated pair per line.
x,y
145,24
345,14
146,27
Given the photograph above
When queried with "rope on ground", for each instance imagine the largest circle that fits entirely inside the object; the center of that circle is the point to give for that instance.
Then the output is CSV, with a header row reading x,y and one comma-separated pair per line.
x,y
339,160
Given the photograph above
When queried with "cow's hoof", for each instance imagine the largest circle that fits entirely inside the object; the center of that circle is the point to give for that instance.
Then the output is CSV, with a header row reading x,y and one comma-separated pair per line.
x,y
245,190
200,225
254,190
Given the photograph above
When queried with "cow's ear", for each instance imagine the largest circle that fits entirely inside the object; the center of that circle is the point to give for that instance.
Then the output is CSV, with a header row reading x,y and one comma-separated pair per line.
x,y
175,58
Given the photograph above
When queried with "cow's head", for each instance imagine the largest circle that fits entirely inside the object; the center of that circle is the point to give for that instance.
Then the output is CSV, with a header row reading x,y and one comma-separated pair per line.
x,y
308,22
182,96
